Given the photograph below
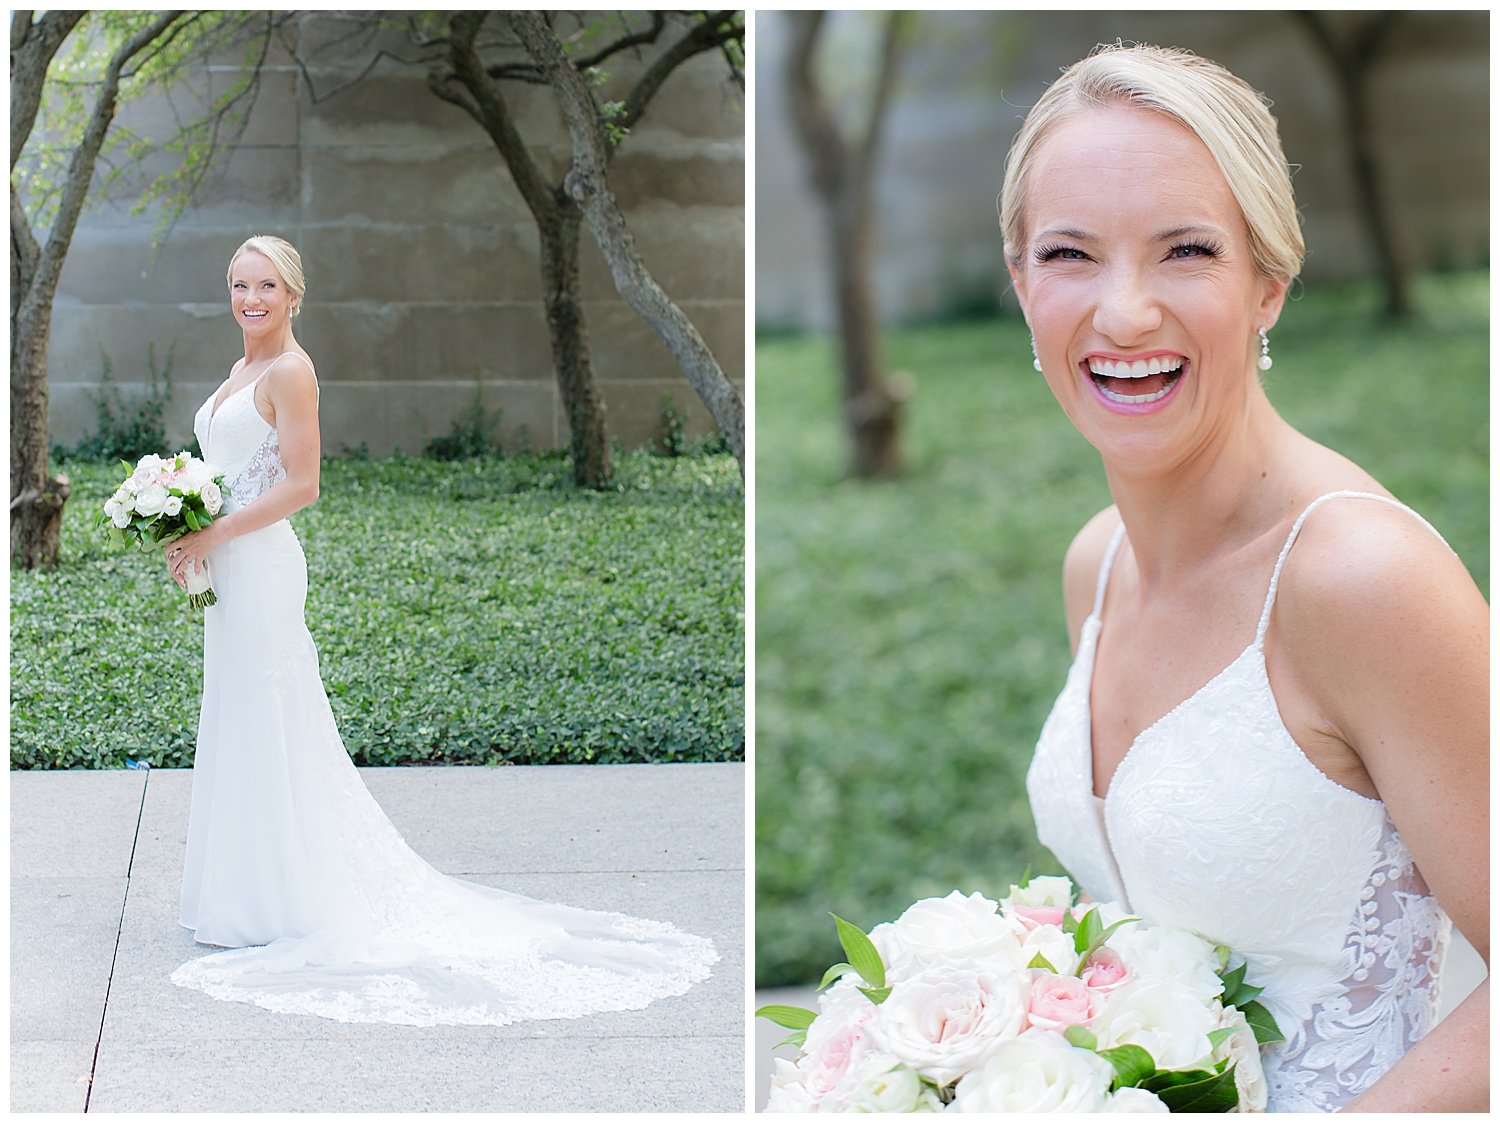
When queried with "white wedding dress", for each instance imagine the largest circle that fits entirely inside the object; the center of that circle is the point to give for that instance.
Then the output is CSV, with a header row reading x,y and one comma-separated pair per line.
x,y
1216,822
291,862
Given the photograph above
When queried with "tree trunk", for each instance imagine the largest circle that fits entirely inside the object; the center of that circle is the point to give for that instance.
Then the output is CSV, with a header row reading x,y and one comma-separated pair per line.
x,y
37,498
1352,61
557,220
587,185
842,175
563,297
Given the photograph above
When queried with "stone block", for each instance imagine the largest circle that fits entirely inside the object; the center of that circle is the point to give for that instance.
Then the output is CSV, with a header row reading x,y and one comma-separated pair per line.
x,y
635,409
467,185
626,348
694,253
394,109
405,415
423,260
373,342
704,175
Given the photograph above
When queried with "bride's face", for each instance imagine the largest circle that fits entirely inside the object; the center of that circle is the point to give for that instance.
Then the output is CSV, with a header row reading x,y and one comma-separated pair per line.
x,y
261,302
1138,283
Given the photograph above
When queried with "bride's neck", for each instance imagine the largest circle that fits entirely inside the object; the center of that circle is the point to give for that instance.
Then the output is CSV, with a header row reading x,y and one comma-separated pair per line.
x,y
1182,518
264,350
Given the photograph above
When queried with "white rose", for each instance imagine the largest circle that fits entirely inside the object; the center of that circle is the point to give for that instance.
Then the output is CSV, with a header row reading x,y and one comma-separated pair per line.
x,y
151,500
945,1020
213,499
173,505
1243,1052
953,930
118,513
1162,1016
787,1090
194,476
1135,1101
1052,944
1037,1073
1041,892
879,1084
1170,953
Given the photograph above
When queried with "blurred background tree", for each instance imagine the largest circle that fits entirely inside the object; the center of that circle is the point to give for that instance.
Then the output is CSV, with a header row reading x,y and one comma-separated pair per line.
x,y
841,160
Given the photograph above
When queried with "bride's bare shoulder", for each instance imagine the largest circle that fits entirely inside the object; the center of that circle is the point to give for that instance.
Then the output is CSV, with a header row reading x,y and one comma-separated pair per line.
x,y
1081,566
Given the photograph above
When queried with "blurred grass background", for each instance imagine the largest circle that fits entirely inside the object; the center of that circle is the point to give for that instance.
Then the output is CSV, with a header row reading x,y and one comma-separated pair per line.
x,y
909,635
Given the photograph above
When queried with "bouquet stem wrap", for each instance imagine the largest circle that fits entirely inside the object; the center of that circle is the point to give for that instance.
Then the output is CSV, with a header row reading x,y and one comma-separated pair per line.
x,y
200,587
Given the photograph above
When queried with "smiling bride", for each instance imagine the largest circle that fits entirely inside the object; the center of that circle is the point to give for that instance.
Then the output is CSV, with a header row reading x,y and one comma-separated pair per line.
x,y
1274,658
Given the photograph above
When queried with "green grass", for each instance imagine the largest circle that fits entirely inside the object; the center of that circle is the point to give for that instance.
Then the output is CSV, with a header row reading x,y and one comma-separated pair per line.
x,y
480,611
909,636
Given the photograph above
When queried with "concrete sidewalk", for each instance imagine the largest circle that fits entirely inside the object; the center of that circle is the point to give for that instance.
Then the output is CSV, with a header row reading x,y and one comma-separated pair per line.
x,y
96,861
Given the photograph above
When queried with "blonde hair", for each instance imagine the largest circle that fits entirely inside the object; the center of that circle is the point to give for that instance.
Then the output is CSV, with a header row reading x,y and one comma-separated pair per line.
x,y
1224,112
282,255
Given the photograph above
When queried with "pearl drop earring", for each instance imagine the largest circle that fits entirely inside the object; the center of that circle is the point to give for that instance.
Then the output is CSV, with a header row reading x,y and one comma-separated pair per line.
x,y
1036,361
1264,362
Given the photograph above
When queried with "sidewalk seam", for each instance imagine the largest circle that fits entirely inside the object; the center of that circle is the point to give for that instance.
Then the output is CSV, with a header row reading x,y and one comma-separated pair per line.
x,y
140,814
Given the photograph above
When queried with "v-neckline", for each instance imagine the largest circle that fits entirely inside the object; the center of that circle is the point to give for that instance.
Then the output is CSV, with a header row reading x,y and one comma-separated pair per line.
x,y
1130,750
217,407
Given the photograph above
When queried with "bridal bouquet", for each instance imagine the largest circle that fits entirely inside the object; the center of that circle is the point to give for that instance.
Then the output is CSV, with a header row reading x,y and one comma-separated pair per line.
x,y
161,499
1032,1005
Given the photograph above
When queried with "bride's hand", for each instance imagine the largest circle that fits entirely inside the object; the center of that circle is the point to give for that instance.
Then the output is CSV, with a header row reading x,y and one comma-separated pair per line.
x,y
192,549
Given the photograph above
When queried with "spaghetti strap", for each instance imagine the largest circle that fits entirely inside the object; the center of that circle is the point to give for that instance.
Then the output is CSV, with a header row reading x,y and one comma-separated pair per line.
x,y
1105,566
1265,612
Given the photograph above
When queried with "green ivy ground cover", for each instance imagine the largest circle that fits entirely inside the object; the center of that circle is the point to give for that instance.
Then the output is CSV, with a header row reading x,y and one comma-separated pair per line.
x,y
471,612
909,635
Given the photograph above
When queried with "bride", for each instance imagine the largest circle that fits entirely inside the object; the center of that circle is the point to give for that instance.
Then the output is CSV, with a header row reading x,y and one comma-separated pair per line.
x,y
1275,729
290,862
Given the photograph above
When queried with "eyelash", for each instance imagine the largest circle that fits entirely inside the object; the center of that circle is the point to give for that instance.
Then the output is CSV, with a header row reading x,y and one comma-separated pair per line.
x,y
1205,248
1046,253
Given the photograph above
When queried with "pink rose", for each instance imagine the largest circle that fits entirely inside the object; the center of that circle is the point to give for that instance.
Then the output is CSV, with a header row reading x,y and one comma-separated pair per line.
x,y
1040,914
1105,970
829,1066
1059,1001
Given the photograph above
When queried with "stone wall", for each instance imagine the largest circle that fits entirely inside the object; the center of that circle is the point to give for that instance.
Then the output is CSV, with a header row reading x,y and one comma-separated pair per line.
x,y
421,258
969,78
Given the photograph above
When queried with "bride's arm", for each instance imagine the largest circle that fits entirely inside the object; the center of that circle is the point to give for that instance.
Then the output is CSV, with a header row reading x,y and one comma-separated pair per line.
x,y
293,393
1400,635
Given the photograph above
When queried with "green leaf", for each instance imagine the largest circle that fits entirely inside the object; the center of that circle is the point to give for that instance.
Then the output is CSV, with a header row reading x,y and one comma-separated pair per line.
x,y
1219,1036
1132,1065
1266,1030
792,1017
797,1039
861,952
1088,931
191,519
876,995
1194,1090
834,972
1081,1037
1038,960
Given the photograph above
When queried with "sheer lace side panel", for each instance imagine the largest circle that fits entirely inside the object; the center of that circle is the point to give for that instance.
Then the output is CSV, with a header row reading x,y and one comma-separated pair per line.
x,y
1391,960
259,474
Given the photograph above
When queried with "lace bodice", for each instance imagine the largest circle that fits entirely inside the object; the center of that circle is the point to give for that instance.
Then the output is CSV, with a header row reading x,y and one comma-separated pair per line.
x,y
1216,821
241,443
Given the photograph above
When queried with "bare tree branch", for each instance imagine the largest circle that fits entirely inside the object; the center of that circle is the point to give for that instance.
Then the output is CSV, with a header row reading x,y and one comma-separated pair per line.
x,y
32,47
713,31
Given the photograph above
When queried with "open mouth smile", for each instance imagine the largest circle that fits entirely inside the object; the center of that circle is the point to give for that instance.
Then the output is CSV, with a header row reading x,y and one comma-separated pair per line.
x,y
1133,386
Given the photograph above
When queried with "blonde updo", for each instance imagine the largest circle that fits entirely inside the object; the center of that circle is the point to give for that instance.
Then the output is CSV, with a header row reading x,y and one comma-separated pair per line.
x,y
1222,111
282,255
